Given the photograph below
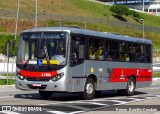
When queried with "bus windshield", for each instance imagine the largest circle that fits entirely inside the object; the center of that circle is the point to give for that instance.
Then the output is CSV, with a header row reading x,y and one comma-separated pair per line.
x,y
42,48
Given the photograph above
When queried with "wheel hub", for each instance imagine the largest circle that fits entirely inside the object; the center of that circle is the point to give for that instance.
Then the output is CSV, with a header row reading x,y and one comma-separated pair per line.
x,y
131,86
89,88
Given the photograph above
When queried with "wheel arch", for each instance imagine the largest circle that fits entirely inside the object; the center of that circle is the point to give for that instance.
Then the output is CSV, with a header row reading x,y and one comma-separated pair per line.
x,y
94,77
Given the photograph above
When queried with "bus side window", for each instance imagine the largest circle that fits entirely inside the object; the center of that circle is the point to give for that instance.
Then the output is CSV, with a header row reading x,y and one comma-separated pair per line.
x,y
96,48
91,52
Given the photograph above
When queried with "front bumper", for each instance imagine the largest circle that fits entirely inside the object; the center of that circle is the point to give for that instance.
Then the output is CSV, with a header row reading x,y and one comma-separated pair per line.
x,y
59,85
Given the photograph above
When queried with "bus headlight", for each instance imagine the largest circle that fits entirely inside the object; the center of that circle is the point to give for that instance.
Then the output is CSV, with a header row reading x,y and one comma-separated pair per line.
x,y
57,77
20,76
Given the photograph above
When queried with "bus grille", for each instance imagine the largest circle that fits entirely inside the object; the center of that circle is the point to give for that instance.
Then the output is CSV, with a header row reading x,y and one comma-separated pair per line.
x,y
38,79
34,87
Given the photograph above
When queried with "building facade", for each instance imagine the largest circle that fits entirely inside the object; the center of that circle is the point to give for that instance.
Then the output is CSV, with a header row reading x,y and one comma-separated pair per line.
x,y
149,6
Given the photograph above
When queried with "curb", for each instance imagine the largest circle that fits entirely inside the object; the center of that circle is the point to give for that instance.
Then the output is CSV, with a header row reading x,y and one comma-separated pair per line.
x,y
7,86
155,79
5,77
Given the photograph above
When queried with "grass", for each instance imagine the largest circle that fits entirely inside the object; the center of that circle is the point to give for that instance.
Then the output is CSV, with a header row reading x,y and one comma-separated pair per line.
x,y
4,82
83,8
155,37
12,74
156,74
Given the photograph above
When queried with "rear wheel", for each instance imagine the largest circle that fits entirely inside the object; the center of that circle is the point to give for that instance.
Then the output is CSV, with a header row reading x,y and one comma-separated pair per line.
x,y
130,89
89,89
46,94
130,86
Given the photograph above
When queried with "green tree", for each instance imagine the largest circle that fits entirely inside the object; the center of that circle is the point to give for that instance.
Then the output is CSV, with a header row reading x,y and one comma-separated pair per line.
x,y
119,9
3,47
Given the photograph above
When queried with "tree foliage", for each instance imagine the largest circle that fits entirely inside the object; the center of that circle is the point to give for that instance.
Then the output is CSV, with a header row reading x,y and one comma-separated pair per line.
x,y
13,48
119,9
124,10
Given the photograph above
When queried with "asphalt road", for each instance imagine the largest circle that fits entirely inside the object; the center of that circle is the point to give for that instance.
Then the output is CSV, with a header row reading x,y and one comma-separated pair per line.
x,y
146,101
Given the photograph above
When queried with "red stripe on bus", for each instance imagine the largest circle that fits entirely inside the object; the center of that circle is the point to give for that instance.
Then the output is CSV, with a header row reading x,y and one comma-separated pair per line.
x,y
38,74
122,74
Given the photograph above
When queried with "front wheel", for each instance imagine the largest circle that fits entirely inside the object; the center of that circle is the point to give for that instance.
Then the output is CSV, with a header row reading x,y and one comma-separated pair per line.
x,y
45,94
89,89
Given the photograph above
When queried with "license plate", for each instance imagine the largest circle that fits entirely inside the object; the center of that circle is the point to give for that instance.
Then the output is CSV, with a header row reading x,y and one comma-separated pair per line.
x,y
36,84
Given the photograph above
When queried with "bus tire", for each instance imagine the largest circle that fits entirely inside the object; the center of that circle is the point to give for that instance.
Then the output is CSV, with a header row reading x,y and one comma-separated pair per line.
x,y
46,94
89,89
130,89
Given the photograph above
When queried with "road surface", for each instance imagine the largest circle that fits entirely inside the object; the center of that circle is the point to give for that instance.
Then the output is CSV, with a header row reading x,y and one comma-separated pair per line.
x,y
60,103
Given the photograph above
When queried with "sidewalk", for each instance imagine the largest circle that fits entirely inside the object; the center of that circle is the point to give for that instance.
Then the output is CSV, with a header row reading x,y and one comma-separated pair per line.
x,y
7,86
153,79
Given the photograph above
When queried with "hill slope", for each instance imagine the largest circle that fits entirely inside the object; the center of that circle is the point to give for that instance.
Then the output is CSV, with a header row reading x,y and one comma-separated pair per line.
x,y
84,8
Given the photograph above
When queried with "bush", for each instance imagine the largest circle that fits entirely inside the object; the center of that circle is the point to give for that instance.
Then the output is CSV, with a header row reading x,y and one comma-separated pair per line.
x,y
133,13
119,9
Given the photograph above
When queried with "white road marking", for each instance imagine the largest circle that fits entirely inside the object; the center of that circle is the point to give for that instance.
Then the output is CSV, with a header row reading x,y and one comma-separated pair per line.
x,y
74,102
59,112
153,96
135,99
76,112
9,90
10,112
5,97
56,103
95,103
148,88
118,101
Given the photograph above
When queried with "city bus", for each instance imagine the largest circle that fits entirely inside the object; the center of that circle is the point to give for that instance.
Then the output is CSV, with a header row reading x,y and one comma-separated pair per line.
x,y
72,59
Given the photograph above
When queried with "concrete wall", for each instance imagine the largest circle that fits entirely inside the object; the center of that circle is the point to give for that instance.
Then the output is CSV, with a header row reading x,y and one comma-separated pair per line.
x,y
11,67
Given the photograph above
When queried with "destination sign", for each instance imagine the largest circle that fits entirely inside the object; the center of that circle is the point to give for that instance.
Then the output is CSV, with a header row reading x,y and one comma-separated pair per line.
x,y
44,35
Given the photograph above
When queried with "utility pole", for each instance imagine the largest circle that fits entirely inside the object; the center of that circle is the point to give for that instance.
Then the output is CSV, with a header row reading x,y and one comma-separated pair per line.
x,y
155,53
85,25
36,14
143,28
7,44
143,6
15,35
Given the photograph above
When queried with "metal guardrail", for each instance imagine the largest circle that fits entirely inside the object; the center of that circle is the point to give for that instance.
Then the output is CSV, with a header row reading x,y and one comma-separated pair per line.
x,y
58,17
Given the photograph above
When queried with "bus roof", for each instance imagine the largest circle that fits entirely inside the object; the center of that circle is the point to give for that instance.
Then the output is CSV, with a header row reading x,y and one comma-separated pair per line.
x,y
77,30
